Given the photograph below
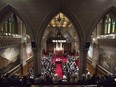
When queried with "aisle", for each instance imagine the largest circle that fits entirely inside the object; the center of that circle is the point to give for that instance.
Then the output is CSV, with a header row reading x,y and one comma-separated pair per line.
x,y
59,69
59,65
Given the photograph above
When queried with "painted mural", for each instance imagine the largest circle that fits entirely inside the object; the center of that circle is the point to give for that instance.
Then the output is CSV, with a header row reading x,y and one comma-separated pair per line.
x,y
107,59
9,58
29,51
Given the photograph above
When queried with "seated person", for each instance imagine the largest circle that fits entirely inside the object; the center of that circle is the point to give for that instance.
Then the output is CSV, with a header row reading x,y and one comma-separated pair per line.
x,y
64,79
55,78
58,60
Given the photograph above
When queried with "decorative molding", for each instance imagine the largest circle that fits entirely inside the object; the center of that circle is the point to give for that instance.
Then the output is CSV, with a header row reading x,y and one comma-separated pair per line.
x,y
107,42
9,41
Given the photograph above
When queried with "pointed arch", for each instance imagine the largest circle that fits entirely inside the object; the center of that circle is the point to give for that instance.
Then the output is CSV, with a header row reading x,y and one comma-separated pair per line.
x,y
68,36
51,34
69,15
110,10
8,10
68,33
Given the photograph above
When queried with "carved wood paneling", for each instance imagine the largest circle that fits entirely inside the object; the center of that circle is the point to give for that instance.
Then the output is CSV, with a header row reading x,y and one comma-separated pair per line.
x,y
9,41
107,42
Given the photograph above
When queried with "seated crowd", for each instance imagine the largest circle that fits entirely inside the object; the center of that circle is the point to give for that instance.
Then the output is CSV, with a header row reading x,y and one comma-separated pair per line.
x,y
48,76
26,81
69,69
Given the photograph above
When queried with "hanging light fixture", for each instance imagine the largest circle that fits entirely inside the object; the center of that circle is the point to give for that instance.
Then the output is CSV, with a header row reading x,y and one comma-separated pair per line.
x,y
59,22
59,37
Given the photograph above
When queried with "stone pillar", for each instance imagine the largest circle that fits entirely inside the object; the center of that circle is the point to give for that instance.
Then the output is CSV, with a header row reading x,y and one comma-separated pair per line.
x,y
23,55
83,62
36,59
39,57
95,55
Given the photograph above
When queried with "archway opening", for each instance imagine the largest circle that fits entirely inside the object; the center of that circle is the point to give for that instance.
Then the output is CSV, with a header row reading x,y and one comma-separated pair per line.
x,y
60,48
102,49
15,45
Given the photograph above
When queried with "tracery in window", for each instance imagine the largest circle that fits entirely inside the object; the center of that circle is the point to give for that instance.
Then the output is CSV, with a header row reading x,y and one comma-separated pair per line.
x,y
9,25
109,25
113,26
105,27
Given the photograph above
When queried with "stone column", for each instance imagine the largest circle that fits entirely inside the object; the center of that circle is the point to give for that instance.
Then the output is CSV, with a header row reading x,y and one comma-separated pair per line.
x,y
39,57
36,59
83,62
23,55
95,55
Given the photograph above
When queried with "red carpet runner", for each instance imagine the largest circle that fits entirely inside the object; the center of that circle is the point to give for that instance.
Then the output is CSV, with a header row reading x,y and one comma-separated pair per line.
x,y
59,65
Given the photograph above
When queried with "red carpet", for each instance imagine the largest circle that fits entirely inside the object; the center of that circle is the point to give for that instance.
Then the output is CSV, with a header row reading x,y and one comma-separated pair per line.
x,y
59,65
59,69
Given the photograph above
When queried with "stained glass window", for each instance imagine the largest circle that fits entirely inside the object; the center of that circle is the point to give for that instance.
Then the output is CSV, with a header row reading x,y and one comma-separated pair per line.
x,y
113,26
109,25
8,26
106,27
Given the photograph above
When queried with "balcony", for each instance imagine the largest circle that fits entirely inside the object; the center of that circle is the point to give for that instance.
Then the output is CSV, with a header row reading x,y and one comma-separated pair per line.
x,y
106,40
9,41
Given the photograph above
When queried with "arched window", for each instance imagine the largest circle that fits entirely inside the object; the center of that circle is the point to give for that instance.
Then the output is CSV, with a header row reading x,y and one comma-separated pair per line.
x,y
109,25
9,25
113,26
105,28
15,25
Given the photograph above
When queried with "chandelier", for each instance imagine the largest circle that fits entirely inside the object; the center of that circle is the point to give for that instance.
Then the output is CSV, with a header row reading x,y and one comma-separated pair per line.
x,y
59,22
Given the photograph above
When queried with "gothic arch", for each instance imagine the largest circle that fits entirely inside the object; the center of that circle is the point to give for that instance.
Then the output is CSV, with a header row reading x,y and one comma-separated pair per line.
x,y
67,33
8,10
50,34
111,10
69,15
